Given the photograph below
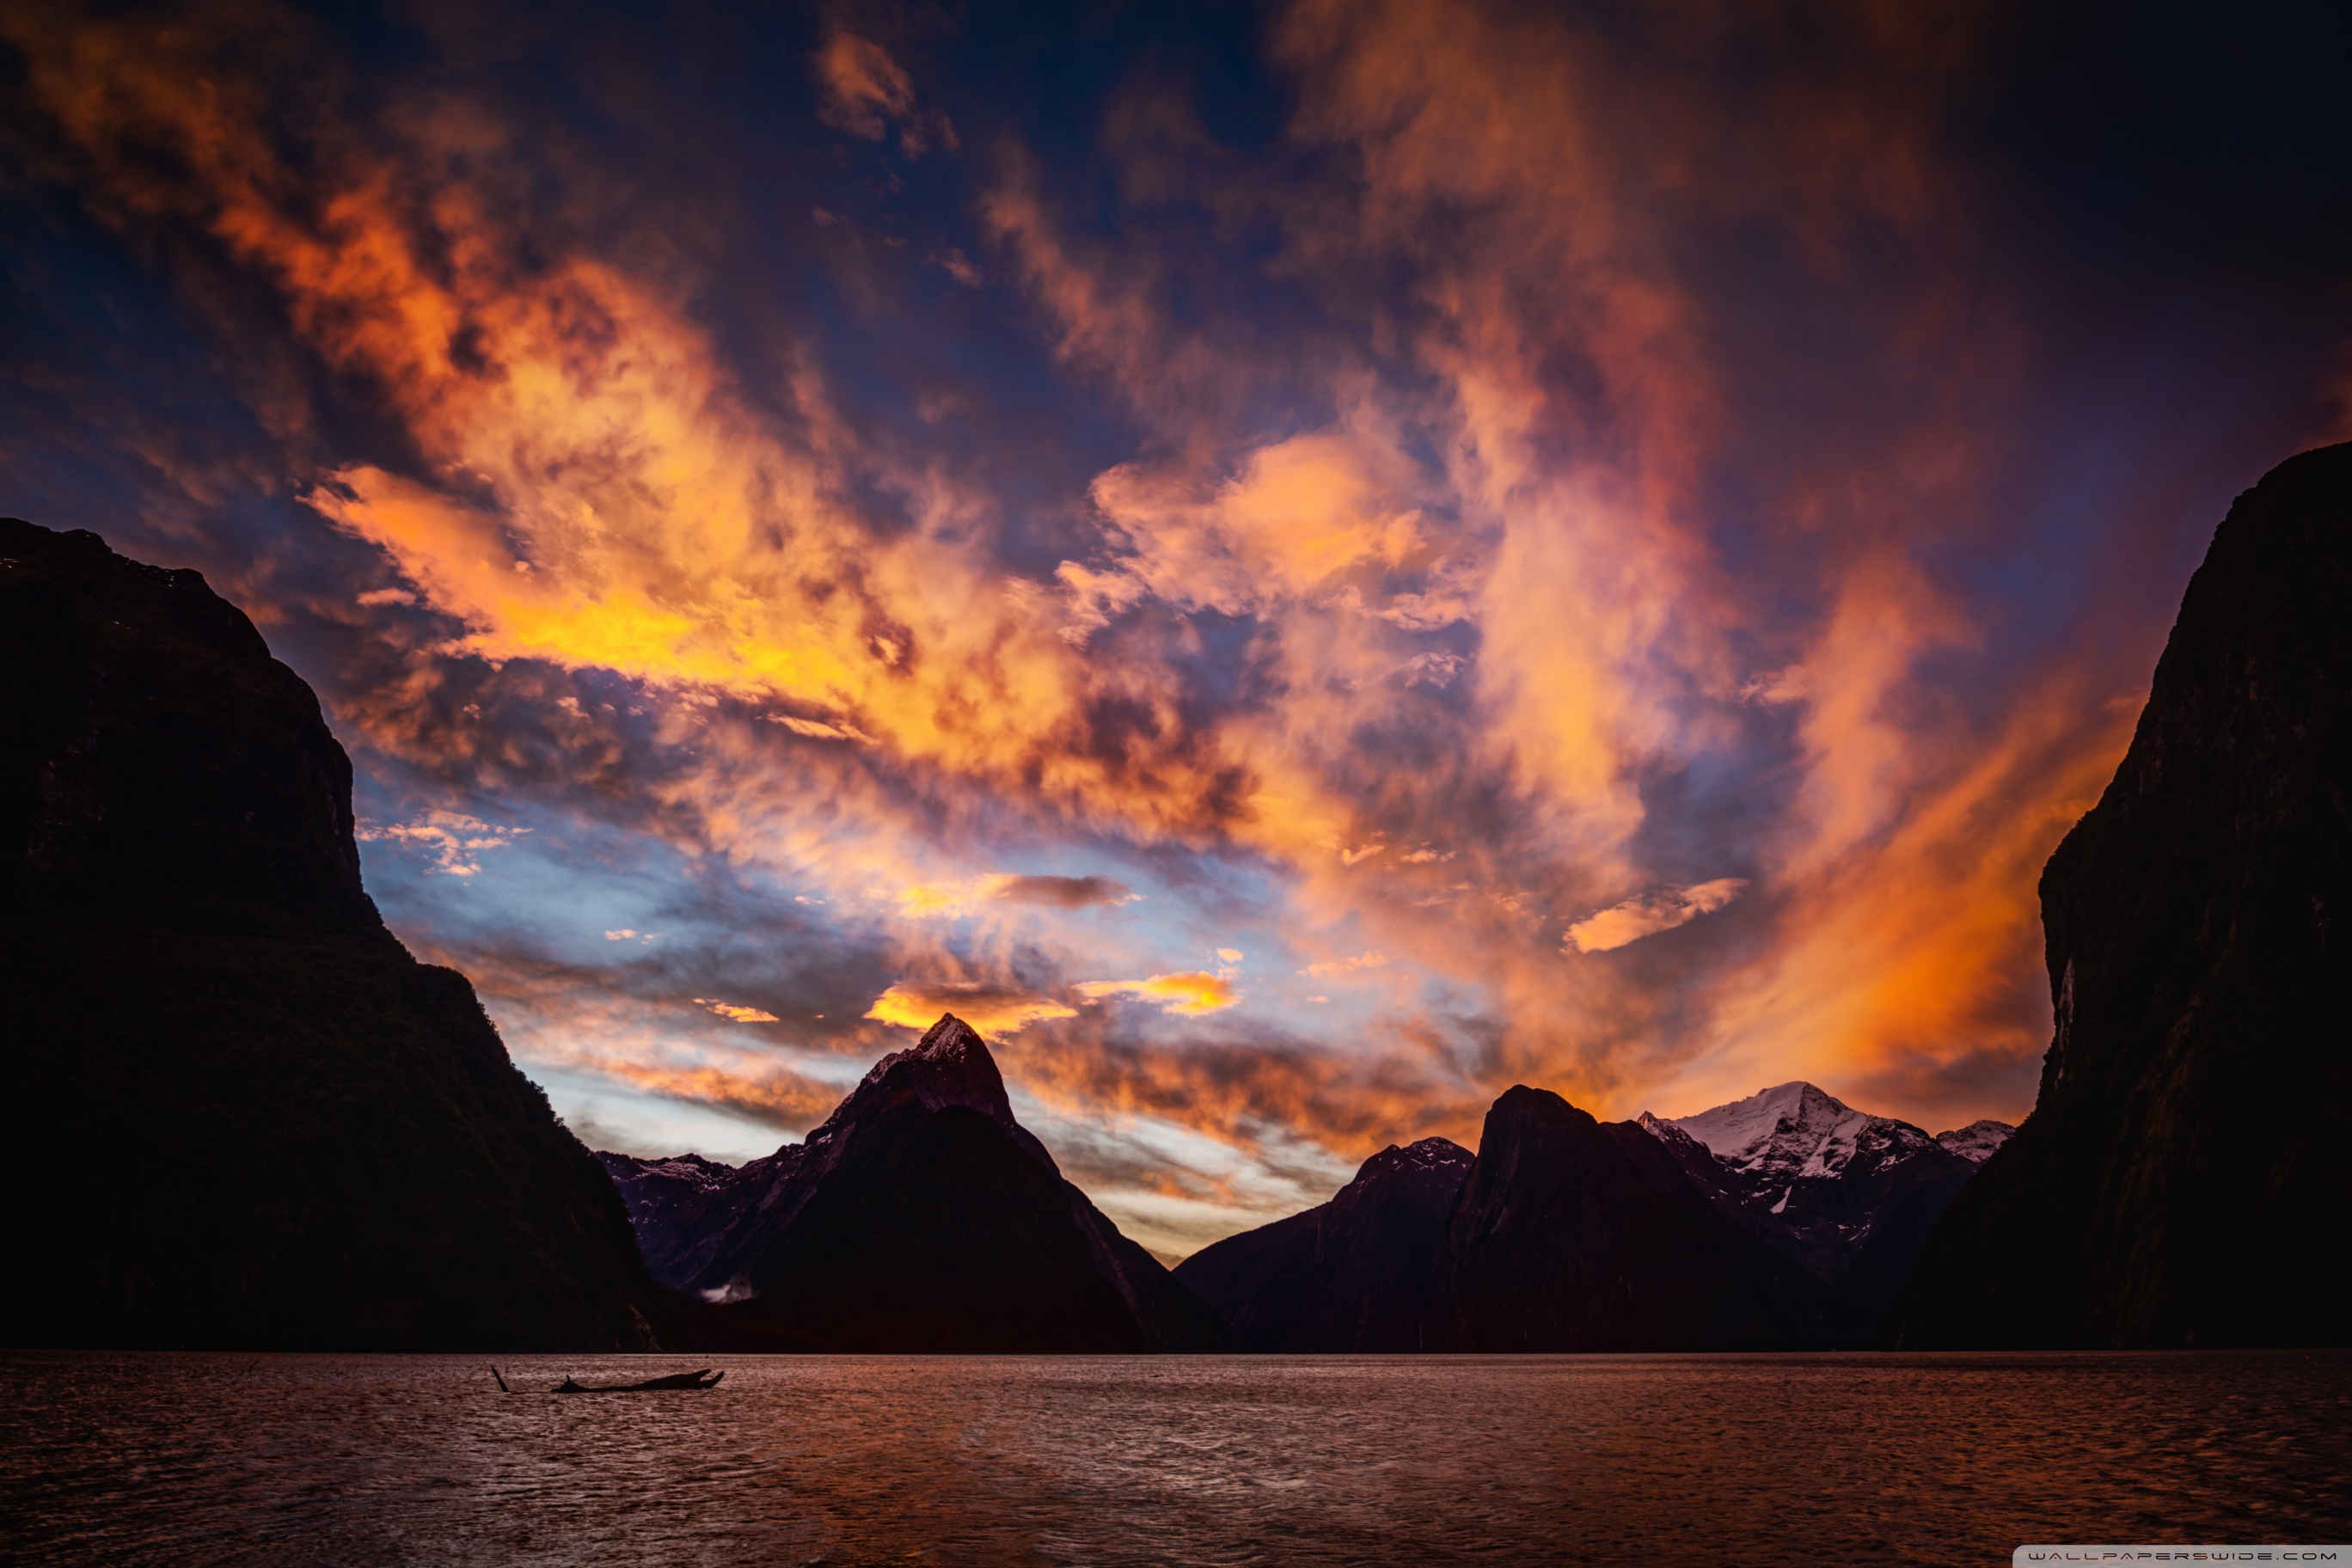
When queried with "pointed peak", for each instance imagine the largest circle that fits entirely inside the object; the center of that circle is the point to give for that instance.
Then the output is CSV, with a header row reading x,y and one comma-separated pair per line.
x,y
951,1065
948,1039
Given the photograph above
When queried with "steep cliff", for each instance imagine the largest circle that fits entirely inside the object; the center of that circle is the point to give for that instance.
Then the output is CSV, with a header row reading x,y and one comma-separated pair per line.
x,y
245,1115
2185,1177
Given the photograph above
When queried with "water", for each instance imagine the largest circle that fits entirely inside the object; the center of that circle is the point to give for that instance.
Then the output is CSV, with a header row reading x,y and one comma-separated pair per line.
x,y
1638,1460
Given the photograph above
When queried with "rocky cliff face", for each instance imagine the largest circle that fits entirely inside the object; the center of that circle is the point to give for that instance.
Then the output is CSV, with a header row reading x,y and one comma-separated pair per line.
x,y
1363,1272
2186,1176
245,1116
919,1217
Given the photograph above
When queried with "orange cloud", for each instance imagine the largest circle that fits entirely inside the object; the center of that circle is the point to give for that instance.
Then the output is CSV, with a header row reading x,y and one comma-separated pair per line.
x,y
1649,913
736,1011
1248,1094
781,1099
992,1009
1299,513
863,87
1921,952
1190,994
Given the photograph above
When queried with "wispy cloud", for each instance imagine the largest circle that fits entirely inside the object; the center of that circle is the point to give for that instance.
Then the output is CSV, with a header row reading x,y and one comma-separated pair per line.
x,y
1348,965
1649,913
1190,994
1058,892
736,1011
863,86
451,837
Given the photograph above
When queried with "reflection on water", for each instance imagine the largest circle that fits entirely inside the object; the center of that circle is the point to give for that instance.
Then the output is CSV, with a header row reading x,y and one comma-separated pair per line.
x,y
1699,1459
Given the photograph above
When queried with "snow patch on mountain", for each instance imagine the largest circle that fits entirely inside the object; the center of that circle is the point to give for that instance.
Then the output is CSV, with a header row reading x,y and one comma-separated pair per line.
x,y
1977,1141
1791,1132
691,1170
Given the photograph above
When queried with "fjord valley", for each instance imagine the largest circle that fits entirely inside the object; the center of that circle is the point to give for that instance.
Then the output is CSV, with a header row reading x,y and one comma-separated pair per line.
x,y
330,1149
317,1111
1344,783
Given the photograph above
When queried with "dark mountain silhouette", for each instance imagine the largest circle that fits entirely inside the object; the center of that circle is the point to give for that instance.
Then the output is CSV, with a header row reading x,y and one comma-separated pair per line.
x,y
2186,1176
1573,1235
1785,1220
919,1217
245,1115
1362,1272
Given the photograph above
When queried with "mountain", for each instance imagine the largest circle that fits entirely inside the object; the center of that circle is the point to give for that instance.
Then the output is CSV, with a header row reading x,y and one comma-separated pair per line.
x,y
2185,1177
1362,1272
1977,1141
1784,1220
920,1218
1571,1235
246,1117
1851,1195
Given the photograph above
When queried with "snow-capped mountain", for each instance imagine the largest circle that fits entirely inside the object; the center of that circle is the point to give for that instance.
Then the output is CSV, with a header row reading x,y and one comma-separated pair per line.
x,y
1977,1141
1852,1194
1794,1132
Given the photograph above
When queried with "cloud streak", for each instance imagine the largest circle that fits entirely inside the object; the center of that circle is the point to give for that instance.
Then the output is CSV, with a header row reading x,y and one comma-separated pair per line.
x,y
1649,913
1191,994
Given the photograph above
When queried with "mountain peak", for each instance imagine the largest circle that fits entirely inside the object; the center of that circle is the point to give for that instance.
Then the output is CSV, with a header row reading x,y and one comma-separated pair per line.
x,y
949,1039
1791,1131
1430,1154
951,1065
1977,1141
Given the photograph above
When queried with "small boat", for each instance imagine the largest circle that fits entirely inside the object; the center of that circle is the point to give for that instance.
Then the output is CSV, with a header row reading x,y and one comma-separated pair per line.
x,y
705,1379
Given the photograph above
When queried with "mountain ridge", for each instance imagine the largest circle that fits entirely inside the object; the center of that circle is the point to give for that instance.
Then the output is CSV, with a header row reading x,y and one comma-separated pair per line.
x,y
1805,1209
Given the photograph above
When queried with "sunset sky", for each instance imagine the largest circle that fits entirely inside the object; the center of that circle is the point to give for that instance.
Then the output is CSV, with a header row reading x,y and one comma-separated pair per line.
x,y
1296,566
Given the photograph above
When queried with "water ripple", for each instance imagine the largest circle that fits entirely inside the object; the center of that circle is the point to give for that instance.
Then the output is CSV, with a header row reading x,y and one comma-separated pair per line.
x,y
1192,1460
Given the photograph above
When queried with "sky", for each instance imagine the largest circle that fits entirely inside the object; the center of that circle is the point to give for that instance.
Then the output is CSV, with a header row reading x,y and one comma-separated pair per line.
x,y
1294,566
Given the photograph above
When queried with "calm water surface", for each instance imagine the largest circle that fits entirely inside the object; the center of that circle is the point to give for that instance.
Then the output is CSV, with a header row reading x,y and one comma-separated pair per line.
x,y
1586,1459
